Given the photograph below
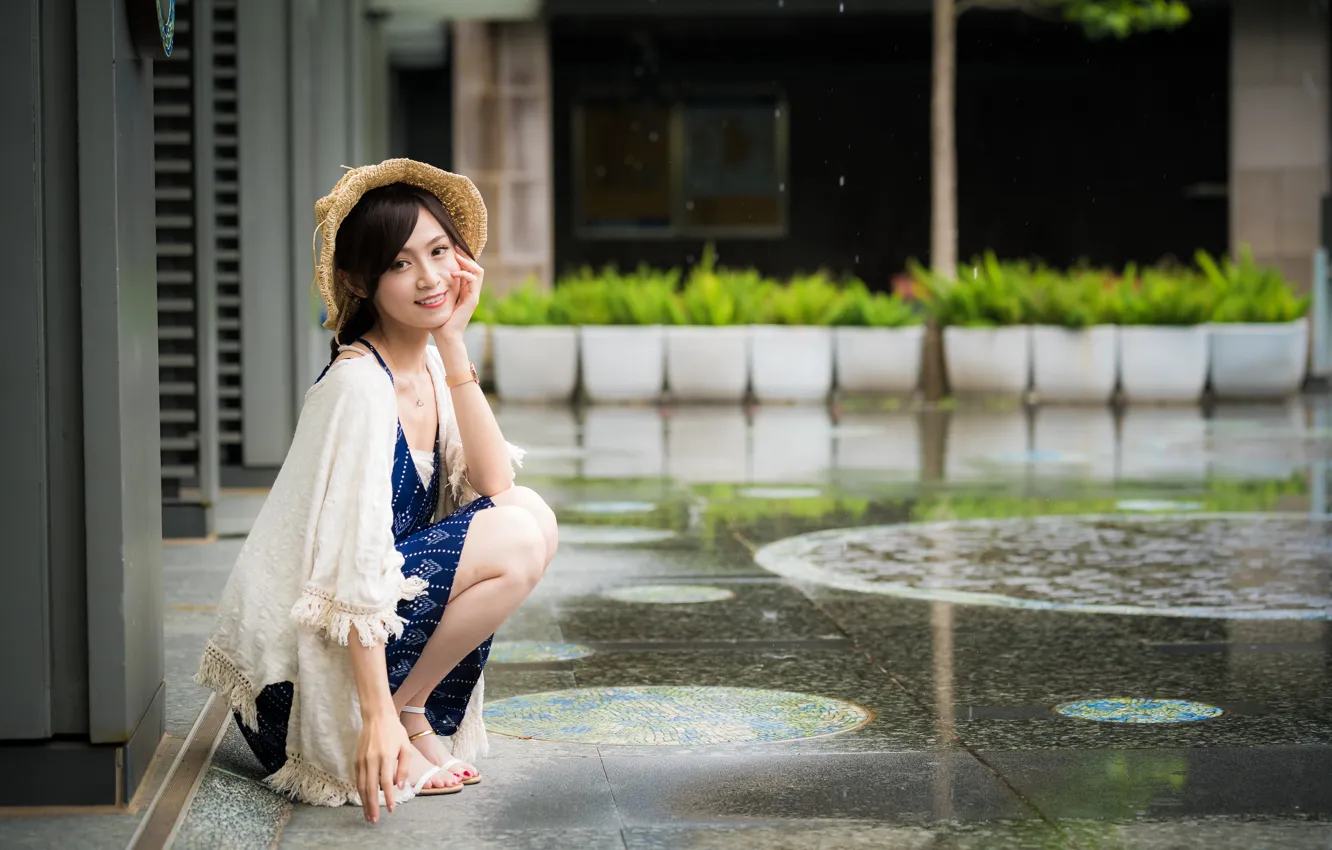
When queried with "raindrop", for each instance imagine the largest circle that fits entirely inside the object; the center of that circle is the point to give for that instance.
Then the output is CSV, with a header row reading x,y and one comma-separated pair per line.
x,y
601,171
777,113
781,187
857,258
975,272
781,3
652,137
841,7
689,205
689,259
841,181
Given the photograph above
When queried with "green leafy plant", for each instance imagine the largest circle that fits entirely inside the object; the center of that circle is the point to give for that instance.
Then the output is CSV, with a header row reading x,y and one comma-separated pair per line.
x,y
642,297
995,293
1247,292
860,307
525,305
1161,296
716,296
805,300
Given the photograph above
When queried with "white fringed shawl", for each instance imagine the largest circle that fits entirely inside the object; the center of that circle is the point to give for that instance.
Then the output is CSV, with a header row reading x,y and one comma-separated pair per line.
x,y
320,559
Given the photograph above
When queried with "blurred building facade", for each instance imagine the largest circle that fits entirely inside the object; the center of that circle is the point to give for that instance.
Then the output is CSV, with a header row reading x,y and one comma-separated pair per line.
x,y
792,133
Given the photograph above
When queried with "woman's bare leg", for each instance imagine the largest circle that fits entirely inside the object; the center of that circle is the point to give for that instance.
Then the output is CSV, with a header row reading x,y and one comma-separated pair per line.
x,y
503,558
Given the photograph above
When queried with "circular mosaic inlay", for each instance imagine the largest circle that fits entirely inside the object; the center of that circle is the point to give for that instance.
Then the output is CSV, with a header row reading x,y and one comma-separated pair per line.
x,y
1129,710
612,535
535,652
1236,566
614,507
1148,506
672,716
669,594
781,492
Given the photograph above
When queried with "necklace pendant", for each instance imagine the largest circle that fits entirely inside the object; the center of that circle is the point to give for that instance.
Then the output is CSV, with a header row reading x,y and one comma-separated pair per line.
x,y
420,403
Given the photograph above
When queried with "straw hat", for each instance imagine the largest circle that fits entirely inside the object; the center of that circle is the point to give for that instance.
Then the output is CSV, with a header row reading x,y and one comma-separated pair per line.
x,y
458,194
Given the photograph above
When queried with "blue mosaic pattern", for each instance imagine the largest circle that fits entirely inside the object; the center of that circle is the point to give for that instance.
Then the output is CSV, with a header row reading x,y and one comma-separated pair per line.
x,y
1131,710
672,716
1225,566
669,594
535,652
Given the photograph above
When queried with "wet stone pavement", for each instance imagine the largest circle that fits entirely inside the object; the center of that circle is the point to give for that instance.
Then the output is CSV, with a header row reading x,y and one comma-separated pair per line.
x,y
790,628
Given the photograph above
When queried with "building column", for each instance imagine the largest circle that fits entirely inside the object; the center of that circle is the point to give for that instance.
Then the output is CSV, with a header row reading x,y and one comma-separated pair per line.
x,y
1279,140
502,141
83,694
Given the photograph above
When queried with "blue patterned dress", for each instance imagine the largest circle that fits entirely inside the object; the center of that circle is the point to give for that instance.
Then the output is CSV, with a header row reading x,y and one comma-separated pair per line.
x,y
430,551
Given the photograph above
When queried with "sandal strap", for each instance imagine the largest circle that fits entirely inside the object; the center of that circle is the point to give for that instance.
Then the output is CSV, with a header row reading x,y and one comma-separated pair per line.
x,y
425,777
411,709
420,734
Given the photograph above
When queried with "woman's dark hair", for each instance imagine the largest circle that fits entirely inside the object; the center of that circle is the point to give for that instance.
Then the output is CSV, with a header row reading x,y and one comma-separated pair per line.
x,y
370,238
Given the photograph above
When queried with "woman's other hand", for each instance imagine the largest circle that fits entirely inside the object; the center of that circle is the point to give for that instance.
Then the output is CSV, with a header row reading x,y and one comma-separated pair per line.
x,y
382,757
470,276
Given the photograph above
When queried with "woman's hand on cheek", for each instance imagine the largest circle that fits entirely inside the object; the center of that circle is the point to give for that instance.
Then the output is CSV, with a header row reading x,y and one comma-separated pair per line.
x,y
469,278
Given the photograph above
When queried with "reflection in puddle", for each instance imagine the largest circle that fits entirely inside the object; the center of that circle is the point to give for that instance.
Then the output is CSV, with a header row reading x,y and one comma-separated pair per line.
x,y
614,507
669,594
1129,710
612,535
1226,566
780,492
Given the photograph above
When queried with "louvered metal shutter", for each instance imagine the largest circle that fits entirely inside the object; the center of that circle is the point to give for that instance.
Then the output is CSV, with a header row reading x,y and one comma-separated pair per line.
x,y
173,140
227,165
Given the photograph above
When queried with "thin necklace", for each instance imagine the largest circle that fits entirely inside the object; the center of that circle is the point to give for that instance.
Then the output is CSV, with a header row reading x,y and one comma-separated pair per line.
x,y
410,384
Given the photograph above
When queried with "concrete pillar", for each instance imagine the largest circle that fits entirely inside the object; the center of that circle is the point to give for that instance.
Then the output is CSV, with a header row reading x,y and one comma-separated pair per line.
x,y
502,140
79,442
1279,131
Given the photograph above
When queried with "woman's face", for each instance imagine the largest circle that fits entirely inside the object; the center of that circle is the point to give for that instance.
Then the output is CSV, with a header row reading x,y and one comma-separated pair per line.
x,y
420,287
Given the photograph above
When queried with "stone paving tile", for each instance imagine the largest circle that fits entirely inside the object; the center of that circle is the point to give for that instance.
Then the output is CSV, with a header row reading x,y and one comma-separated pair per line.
x,y
232,813
67,831
901,788
755,612
817,834
1179,783
1221,833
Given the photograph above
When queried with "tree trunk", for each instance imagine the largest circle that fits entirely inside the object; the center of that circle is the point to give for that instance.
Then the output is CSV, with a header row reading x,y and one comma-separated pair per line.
x,y
943,186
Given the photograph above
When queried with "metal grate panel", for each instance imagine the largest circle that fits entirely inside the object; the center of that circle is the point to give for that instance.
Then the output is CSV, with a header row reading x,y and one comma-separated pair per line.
x,y
227,207
173,137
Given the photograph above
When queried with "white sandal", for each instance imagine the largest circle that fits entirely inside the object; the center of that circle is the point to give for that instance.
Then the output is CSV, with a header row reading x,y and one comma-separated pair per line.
x,y
475,780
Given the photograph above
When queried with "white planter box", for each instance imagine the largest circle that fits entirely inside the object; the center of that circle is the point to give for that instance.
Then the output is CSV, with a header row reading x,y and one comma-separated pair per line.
x,y
707,363
879,360
792,363
475,338
988,361
1075,365
1258,360
1163,363
535,363
623,363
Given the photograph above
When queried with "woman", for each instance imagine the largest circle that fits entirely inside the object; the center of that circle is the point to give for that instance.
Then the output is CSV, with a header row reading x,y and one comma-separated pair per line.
x,y
356,624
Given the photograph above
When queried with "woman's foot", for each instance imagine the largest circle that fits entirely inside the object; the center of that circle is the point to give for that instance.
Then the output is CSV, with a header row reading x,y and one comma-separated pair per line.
x,y
420,764
435,752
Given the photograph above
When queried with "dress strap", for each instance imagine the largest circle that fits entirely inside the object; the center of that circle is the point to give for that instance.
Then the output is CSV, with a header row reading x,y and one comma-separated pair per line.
x,y
367,344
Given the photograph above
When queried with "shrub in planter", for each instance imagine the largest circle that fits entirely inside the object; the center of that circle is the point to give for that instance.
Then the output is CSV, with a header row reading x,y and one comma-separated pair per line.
x,y
878,341
707,348
987,345
620,320
1258,338
535,351
792,343
1162,343
1075,352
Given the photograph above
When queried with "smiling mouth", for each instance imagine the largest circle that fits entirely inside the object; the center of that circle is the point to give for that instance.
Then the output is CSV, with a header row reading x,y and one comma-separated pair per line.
x,y
432,301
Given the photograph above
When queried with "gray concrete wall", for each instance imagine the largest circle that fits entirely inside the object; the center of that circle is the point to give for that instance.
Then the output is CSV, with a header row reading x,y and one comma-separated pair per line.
x,y
1279,131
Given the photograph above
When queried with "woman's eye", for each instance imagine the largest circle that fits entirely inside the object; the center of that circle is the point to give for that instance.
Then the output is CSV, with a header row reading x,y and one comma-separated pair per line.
x,y
441,250
399,265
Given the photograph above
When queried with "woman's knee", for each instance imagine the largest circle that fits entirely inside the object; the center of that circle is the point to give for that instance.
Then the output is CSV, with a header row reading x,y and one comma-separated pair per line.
x,y
529,500
517,541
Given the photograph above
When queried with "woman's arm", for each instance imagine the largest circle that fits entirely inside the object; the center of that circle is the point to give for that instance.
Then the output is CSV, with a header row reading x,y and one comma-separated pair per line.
x,y
384,750
489,467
